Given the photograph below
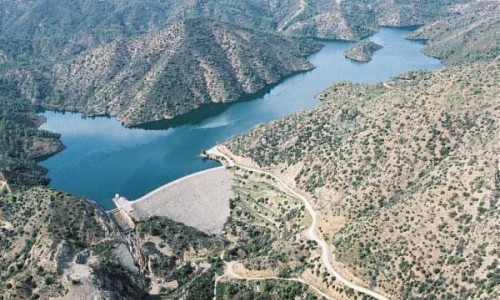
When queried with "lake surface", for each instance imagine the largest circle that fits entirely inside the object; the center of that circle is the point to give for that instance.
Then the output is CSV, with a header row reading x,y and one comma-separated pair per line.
x,y
103,158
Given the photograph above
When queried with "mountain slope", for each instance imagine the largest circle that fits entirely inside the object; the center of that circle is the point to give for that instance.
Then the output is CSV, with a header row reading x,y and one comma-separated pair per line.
x,y
56,245
471,35
412,170
55,25
20,140
162,75
49,28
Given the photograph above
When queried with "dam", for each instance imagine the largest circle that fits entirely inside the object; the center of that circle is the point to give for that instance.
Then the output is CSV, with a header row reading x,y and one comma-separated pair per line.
x,y
200,200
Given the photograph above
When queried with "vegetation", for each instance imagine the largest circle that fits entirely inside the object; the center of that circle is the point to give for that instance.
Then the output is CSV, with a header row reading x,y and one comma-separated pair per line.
x,y
181,260
471,35
168,73
267,229
179,237
412,171
264,225
151,60
362,51
45,234
410,12
201,287
46,28
266,241
405,175
21,142
268,289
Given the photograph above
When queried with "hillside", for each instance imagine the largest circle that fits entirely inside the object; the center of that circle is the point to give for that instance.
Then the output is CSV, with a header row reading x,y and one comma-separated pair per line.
x,y
49,28
362,51
410,13
412,170
58,246
102,57
471,35
44,251
53,245
20,140
405,176
356,19
166,74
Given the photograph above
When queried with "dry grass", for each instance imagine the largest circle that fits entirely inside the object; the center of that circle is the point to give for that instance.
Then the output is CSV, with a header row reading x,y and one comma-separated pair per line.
x,y
413,171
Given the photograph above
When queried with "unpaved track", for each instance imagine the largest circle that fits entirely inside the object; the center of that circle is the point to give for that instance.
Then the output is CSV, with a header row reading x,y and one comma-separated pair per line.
x,y
302,8
232,274
311,231
229,272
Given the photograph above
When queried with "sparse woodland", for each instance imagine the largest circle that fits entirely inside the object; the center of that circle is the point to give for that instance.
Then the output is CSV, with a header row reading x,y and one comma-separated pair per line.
x,y
414,171
470,35
405,176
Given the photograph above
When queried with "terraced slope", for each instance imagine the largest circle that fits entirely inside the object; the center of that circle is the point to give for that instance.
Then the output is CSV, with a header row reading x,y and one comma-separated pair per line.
x,y
412,170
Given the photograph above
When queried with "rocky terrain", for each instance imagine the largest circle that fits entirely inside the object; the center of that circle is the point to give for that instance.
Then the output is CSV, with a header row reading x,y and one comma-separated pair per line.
x,y
410,13
356,19
404,175
169,73
471,34
69,28
362,51
51,247
414,172
57,246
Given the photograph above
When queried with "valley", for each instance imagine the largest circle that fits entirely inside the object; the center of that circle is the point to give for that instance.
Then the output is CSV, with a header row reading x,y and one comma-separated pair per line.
x,y
161,152
339,179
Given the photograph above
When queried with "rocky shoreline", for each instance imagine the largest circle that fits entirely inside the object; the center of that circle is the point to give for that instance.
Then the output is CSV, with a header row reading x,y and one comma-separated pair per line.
x,y
362,51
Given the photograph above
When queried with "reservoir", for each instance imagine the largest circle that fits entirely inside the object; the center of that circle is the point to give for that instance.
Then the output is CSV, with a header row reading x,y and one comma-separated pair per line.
x,y
104,158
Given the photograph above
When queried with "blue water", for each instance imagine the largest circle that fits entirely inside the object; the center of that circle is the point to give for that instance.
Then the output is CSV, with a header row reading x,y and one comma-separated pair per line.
x,y
103,158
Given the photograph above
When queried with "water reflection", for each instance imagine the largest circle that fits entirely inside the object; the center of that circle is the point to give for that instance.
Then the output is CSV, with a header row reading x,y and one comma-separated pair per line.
x,y
72,125
103,158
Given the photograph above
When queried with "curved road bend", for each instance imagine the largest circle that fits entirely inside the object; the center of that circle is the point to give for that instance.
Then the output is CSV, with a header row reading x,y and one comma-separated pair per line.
x,y
311,232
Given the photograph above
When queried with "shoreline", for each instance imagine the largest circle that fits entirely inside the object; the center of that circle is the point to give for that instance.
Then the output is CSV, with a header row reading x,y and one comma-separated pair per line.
x,y
342,275
199,200
202,114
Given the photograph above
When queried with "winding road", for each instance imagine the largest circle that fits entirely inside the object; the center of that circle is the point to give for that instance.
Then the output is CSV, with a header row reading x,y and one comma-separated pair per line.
x,y
311,231
232,274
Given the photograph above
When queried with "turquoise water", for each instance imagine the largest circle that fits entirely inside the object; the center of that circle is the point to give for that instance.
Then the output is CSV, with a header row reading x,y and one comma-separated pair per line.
x,y
103,158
